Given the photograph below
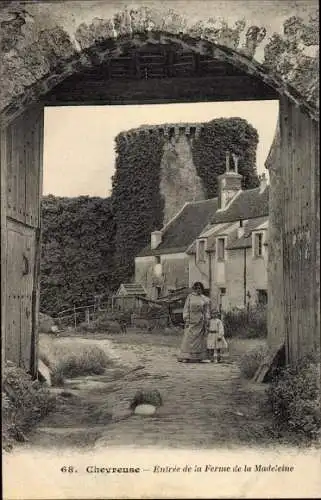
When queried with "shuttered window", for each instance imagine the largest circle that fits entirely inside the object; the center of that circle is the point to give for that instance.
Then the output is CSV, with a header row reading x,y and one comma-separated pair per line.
x,y
258,244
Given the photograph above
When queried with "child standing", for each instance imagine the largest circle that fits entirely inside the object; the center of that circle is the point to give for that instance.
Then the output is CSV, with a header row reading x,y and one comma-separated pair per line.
x,y
215,338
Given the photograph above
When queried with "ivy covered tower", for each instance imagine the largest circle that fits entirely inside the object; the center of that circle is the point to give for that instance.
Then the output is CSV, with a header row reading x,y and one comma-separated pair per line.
x,y
159,168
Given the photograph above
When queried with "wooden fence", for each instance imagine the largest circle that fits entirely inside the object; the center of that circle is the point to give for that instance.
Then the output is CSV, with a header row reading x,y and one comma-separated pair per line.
x,y
172,304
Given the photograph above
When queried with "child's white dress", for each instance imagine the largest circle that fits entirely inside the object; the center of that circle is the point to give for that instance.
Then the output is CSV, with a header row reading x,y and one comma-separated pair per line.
x,y
215,337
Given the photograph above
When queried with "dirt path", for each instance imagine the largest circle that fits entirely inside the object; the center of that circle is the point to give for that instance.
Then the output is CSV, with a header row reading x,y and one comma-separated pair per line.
x,y
205,405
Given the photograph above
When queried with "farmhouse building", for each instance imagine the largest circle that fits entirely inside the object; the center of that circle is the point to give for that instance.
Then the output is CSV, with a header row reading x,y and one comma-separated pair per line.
x,y
221,242
230,256
162,266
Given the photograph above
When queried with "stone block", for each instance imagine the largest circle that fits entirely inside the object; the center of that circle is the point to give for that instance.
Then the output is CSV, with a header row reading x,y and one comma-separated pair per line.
x,y
44,372
145,410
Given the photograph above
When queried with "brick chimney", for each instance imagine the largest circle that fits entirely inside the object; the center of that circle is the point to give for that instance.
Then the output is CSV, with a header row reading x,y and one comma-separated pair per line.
x,y
230,183
155,239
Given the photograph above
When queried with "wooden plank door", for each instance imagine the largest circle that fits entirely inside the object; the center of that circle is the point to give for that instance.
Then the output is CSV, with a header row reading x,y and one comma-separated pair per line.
x,y
21,167
20,282
299,164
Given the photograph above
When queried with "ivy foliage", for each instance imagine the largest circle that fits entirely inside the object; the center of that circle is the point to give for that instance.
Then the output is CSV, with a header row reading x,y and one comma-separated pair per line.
x,y
77,251
136,200
235,135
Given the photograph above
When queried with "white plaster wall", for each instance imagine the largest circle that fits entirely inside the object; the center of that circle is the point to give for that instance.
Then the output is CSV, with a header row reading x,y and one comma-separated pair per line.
x,y
199,271
256,277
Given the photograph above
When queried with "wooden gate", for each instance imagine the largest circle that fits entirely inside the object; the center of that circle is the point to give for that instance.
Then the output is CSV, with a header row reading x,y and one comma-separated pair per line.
x,y
21,168
300,224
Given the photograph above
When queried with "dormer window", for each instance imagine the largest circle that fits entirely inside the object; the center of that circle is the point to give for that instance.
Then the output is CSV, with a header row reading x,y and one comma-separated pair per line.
x,y
201,250
258,244
220,249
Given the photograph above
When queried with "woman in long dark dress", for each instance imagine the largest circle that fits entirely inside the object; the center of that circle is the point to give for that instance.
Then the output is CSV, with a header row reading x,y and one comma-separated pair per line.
x,y
196,315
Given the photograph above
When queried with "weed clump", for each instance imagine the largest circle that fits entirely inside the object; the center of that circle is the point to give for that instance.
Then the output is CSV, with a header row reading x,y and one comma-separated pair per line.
x,y
90,361
24,403
294,398
246,324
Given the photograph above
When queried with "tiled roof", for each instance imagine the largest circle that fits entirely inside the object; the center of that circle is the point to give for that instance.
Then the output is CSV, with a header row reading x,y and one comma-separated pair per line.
x,y
180,233
227,230
248,204
209,234
218,228
245,241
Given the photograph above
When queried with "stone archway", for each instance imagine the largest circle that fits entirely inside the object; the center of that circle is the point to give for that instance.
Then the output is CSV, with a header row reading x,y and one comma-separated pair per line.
x,y
37,58
37,61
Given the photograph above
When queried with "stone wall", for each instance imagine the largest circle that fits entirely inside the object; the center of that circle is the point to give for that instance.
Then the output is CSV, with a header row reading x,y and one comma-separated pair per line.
x,y
179,181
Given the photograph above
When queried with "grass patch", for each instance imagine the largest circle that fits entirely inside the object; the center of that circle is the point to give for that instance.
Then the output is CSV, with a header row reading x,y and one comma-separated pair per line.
x,y
90,361
71,358
251,361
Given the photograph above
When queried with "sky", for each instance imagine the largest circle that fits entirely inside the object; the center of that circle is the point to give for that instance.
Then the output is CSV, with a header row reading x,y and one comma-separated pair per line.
x,y
79,155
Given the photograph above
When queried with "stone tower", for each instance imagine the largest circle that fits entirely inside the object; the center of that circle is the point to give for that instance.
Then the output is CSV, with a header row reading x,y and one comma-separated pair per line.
x,y
179,181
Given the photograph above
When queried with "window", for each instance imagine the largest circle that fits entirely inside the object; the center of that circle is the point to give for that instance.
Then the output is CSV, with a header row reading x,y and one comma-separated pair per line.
x,y
158,270
220,248
223,291
158,292
201,250
258,244
262,297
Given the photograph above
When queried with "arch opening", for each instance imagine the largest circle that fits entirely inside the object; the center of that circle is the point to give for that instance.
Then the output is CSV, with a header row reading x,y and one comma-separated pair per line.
x,y
159,67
